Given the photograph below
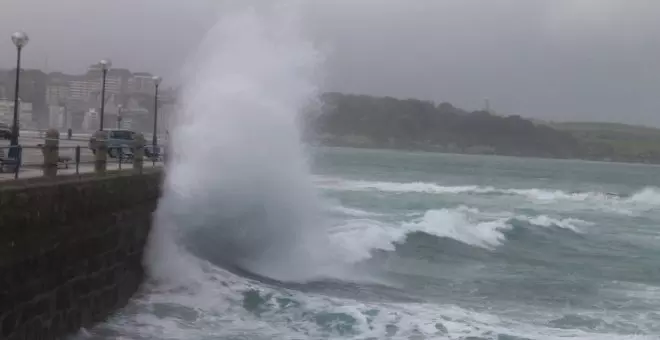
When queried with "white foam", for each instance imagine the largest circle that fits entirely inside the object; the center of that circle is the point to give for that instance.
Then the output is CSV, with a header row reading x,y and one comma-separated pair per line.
x,y
461,226
214,303
546,221
643,200
238,166
353,211
360,237
415,187
647,196
435,188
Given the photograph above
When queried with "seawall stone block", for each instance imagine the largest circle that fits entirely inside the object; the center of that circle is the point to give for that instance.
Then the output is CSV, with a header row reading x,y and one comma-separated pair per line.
x,y
71,250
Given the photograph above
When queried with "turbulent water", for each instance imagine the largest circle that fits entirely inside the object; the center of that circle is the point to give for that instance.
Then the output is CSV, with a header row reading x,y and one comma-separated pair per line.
x,y
439,247
253,239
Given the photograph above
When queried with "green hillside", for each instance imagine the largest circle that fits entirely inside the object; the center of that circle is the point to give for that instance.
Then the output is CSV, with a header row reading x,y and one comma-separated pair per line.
x,y
615,141
386,122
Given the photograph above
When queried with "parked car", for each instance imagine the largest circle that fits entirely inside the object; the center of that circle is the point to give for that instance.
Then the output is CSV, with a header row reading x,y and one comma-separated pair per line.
x,y
117,140
5,131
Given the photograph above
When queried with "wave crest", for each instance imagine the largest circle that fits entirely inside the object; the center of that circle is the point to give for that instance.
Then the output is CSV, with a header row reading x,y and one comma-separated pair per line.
x,y
239,181
647,198
470,226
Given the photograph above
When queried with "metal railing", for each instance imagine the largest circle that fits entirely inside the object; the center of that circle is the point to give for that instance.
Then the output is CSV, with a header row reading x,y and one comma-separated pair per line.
x,y
28,161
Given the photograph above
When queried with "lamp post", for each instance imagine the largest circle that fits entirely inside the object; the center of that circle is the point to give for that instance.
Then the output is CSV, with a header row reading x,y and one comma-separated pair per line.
x,y
154,140
119,107
105,66
20,39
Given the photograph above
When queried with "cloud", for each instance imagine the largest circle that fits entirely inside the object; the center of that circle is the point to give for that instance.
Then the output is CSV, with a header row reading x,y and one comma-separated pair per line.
x,y
604,20
560,59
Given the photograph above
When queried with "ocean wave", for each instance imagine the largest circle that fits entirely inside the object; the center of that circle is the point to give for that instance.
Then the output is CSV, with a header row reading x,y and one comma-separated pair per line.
x,y
415,187
647,197
470,226
213,303
352,211
546,221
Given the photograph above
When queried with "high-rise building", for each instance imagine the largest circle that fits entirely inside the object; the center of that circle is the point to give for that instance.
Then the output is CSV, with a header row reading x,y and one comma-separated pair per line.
x,y
25,113
32,90
85,86
91,120
80,97
80,87
6,110
57,90
57,117
141,83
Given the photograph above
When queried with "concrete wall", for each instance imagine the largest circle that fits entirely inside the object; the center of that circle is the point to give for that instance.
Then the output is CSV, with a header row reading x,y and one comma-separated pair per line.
x,y
71,250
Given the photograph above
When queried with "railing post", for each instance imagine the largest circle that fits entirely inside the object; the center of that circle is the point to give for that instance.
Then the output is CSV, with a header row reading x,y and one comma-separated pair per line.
x,y
167,148
101,149
138,153
154,154
120,155
164,154
77,159
19,160
50,150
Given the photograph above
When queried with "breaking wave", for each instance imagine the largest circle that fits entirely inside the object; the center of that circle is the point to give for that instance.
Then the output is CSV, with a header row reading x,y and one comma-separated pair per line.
x,y
645,198
360,237
239,180
240,306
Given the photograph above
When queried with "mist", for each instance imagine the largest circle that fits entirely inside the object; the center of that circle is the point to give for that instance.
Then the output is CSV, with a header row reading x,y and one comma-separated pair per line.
x,y
548,59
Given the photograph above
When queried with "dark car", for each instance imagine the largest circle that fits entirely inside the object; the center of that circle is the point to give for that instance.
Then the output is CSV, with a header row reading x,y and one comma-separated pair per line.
x,y
117,139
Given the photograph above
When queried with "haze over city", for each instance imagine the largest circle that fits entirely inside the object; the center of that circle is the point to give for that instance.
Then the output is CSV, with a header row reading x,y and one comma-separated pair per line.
x,y
549,59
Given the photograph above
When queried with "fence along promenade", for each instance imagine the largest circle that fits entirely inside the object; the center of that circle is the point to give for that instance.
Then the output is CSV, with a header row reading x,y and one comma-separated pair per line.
x,y
51,159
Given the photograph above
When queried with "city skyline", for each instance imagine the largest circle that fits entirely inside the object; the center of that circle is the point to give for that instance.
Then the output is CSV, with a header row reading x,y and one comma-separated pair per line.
x,y
60,100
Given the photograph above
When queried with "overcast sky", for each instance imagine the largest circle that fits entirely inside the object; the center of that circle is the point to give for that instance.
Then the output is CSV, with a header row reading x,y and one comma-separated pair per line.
x,y
550,59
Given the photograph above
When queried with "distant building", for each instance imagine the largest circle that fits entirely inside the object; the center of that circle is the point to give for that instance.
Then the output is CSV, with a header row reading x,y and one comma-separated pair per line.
x,y
6,111
91,120
142,83
57,117
32,90
82,87
25,114
166,116
110,111
127,123
26,118
57,90
80,97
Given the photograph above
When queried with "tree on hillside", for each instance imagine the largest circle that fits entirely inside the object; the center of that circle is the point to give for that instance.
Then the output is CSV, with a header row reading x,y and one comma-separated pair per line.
x,y
412,123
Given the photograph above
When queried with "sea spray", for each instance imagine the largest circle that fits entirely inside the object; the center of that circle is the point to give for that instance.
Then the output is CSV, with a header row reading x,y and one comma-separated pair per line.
x,y
238,186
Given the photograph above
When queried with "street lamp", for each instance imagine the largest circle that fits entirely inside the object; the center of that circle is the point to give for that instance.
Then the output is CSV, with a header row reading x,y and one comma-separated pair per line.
x,y
105,66
20,39
119,107
154,140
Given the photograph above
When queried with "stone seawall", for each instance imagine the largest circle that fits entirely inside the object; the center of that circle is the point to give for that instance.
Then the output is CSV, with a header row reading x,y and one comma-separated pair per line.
x,y
71,250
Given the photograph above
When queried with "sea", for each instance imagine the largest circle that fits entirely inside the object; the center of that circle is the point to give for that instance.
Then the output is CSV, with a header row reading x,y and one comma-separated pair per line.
x,y
440,247
260,236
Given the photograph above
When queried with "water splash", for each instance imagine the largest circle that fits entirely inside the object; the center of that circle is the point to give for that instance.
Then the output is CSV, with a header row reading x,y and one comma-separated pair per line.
x,y
239,186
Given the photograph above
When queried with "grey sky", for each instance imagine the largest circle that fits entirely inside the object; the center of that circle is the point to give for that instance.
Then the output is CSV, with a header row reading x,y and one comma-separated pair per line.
x,y
562,59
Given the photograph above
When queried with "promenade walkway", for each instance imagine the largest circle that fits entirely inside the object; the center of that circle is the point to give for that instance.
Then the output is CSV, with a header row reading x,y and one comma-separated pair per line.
x,y
33,158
